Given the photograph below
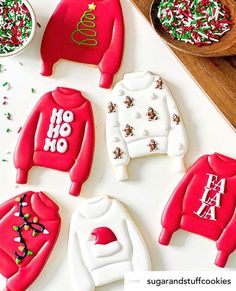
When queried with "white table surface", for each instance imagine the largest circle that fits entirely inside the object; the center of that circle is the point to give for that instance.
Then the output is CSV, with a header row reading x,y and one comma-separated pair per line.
x,y
151,179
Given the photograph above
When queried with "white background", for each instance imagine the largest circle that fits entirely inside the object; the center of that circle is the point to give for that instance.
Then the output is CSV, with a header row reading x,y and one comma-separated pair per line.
x,y
152,180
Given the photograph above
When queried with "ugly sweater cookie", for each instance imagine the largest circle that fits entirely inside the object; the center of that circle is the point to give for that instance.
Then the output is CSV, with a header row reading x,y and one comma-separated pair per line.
x,y
59,134
29,228
204,203
104,243
143,119
85,32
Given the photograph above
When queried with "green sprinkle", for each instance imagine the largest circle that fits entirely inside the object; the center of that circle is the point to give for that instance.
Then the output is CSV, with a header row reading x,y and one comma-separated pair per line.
x,y
16,228
35,233
33,90
30,253
18,261
27,216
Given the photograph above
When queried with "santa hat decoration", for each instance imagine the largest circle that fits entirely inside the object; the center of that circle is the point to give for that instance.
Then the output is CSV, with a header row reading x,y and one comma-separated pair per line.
x,y
104,242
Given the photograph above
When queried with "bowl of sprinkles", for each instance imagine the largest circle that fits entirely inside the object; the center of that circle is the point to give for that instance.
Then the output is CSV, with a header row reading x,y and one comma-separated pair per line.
x,y
200,27
17,26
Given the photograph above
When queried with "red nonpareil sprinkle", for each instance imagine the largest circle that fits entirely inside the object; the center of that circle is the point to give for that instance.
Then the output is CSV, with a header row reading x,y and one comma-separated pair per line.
x,y
39,25
199,22
19,130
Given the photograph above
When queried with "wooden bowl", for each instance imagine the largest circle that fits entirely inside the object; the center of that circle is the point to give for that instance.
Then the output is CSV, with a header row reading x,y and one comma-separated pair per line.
x,y
225,47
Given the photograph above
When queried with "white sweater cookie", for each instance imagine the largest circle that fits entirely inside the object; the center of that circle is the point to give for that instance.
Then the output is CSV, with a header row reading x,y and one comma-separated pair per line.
x,y
143,119
104,243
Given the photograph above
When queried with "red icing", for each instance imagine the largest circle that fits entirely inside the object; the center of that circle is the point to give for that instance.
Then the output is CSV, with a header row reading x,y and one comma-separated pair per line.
x,y
107,46
204,203
104,235
21,276
75,128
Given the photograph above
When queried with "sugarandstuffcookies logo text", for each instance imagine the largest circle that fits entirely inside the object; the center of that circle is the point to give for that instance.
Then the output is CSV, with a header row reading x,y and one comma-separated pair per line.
x,y
208,207
59,127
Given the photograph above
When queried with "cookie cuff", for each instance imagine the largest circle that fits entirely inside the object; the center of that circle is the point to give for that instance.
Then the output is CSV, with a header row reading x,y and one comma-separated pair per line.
x,y
121,173
21,176
106,80
75,188
179,165
165,236
221,259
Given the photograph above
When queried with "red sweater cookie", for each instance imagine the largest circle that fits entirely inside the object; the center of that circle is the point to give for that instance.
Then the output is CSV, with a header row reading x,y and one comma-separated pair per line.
x,y
29,228
86,32
204,203
58,134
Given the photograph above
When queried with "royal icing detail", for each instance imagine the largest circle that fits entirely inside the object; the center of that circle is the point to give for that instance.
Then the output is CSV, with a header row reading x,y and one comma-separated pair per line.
x,y
128,130
111,107
86,27
151,114
211,197
129,102
59,128
118,153
26,225
159,83
176,119
153,145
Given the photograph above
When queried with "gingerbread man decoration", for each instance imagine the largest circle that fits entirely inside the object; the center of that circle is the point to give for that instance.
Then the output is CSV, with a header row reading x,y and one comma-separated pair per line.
x,y
159,84
151,114
176,119
111,107
118,153
153,145
129,102
128,130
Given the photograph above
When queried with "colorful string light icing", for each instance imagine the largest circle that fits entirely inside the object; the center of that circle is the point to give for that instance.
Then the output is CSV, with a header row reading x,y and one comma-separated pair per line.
x,y
198,22
15,25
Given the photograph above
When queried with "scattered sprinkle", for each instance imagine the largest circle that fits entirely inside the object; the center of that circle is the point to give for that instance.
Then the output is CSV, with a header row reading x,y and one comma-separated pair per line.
x,y
8,130
4,160
39,25
8,115
6,85
33,90
19,130
2,68
20,63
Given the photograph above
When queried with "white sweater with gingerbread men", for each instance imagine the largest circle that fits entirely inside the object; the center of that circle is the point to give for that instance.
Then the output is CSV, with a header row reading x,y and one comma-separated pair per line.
x,y
143,119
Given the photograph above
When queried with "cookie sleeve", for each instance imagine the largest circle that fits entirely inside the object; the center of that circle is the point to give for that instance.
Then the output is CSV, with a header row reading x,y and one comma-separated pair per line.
x,y
117,149
111,60
52,44
80,171
173,211
140,255
226,244
24,151
177,139
77,267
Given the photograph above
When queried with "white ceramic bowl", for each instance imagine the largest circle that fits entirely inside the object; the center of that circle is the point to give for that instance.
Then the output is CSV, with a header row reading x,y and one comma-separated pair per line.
x,y
30,38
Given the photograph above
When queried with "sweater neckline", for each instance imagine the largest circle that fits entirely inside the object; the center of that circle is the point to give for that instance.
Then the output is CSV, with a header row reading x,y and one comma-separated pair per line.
x,y
137,81
223,165
96,207
67,98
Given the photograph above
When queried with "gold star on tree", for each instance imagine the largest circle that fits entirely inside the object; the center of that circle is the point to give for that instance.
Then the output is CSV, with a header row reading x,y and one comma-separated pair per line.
x,y
92,6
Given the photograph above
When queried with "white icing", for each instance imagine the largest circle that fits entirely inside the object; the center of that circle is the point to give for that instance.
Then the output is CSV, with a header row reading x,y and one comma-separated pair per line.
x,y
65,130
59,127
53,131
211,197
62,145
102,264
120,92
136,114
50,145
115,139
